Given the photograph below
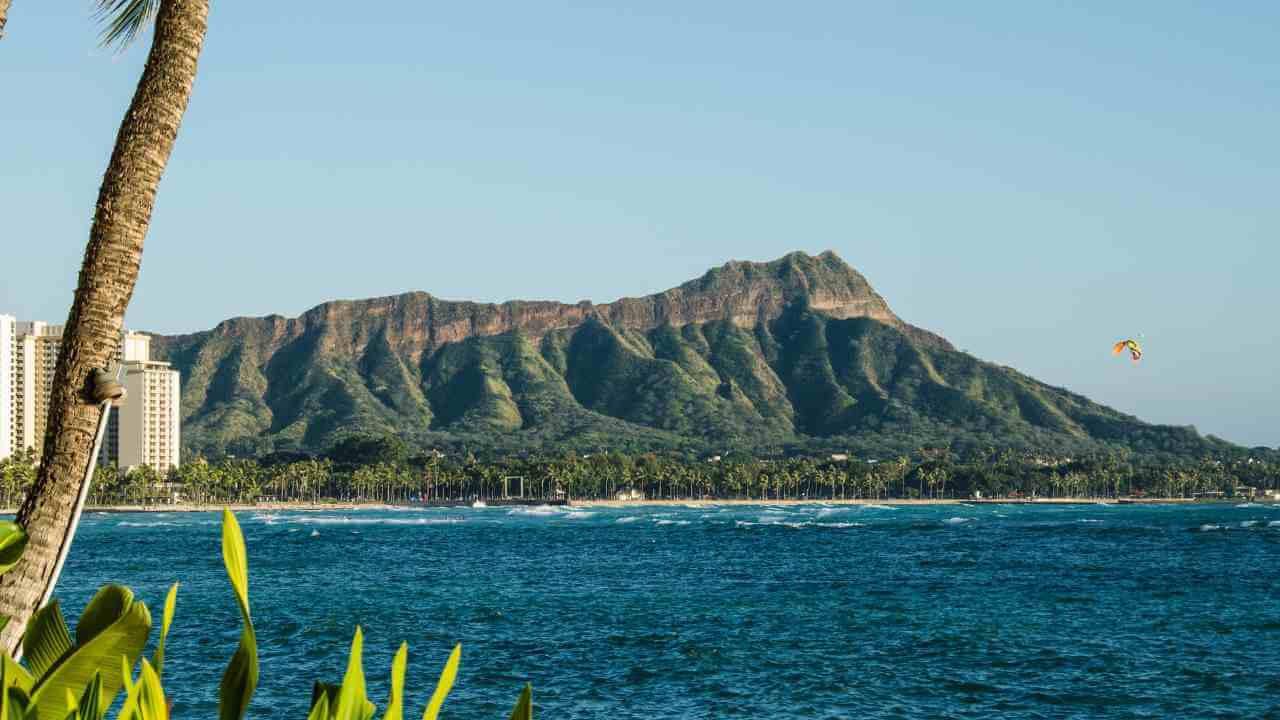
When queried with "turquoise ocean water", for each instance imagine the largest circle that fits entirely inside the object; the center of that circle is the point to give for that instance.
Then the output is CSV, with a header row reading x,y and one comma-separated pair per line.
x,y
764,612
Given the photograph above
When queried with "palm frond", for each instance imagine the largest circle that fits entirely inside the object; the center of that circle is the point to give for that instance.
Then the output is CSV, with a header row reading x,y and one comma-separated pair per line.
x,y
123,20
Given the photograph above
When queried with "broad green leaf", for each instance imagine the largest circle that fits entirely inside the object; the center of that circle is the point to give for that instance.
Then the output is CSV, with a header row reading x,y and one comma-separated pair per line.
x,y
47,639
395,705
4,690
241,676
166,619
129,710
105,608
15,675
524,706
352,699
445,683
325,690
13,540
19,705
151,695
320,708
91,705
96,651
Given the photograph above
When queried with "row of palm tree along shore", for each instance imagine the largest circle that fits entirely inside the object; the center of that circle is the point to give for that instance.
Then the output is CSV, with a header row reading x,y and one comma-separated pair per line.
x,y
928,475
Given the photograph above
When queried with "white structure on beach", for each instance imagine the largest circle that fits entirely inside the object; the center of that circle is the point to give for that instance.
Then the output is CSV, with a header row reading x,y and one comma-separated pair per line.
x,y
144,430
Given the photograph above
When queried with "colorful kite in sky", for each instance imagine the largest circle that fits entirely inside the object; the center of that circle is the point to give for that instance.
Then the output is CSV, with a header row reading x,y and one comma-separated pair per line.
x,y
1135,350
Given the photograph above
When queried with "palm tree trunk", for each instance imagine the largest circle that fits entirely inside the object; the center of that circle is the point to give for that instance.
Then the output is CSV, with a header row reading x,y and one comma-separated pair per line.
x,y
107,277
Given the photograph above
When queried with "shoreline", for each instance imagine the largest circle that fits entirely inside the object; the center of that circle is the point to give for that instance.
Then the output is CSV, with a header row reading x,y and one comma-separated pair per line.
x,y
692,503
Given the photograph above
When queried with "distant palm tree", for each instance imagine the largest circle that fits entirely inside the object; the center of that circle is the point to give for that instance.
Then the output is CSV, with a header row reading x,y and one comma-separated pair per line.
x,y
107,276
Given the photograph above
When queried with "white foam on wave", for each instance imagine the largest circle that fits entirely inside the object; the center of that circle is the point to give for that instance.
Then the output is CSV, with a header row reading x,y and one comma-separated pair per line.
x,y
315,533
875,506
1209,528
670,522
579,515
267,517
536,511
627,519
1088,520
958,520
1274,523
156,523
1248,523
799,525
1248,505
329,520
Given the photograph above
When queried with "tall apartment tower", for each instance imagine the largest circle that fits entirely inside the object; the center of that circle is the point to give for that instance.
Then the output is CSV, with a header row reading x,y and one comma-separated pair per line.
x,y
28,354
145,429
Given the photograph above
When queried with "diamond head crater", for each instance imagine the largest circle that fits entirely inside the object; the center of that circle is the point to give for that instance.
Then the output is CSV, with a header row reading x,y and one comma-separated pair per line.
x,y
797,355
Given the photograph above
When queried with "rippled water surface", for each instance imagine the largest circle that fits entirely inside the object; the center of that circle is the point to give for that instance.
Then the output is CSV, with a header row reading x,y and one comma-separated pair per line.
x,y
762,612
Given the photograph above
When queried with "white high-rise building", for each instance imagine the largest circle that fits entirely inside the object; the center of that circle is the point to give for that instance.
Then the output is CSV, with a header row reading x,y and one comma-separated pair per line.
x,y
144,430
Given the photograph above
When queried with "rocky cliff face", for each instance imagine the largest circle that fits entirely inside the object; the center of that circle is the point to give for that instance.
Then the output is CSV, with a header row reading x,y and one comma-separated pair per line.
x,y
415,324
757,355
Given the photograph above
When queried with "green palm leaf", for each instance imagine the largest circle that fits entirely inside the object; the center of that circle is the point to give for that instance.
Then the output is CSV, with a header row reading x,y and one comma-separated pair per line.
x,y
124,20
524,706
241,677
445,684
166,619
47,639
13,540
395,704
353,704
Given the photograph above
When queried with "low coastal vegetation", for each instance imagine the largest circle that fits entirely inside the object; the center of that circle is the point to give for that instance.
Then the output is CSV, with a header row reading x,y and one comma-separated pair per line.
x,y
79,675
382,469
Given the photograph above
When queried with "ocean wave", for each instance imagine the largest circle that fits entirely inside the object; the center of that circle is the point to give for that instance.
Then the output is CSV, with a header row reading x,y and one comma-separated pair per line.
x,y
958,520
1274,523
877,506
1248,523
329,520
670,522
579,515
1088,520
315,533
627,519
155,523
800,524
1209,528
537,511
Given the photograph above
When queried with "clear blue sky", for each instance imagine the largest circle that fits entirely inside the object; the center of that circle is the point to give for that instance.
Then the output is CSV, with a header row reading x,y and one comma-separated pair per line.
x,y
1031,180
